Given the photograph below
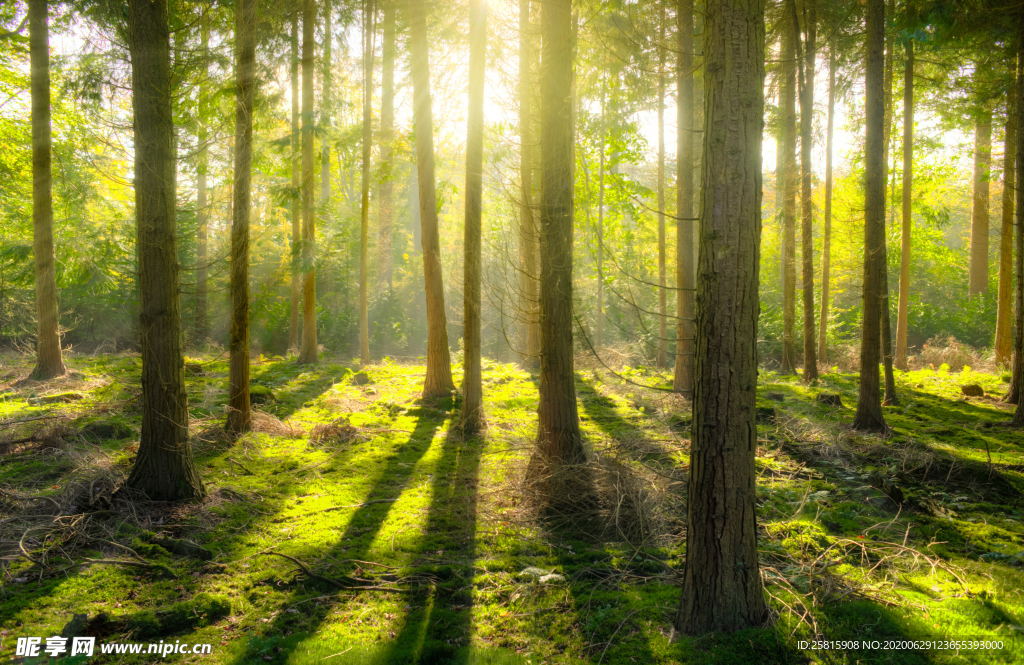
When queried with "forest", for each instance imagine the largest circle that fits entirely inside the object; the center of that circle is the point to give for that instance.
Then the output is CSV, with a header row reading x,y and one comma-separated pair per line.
x,y
512,332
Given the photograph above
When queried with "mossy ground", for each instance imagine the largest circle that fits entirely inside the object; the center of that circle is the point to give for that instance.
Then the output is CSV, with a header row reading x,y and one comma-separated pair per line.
x,y
397,497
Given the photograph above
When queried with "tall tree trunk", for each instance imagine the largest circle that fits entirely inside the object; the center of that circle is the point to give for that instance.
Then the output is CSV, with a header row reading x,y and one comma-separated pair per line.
x,y
682,379
789,199
807,192
978,282
869,415
599,333
49,362
308,353
239,409
528,235
438,381
662,293
326,107
1014,396
387,139
293,329
369,31
164,469
722,588
826,240
1004,311
472,386
886,323
908,223
559,438
202,204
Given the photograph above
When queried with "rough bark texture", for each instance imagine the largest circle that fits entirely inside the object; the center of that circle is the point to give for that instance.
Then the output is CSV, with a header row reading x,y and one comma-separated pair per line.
x,y
293,329
202,202
308,352
529,314
559,439
387,138
1004,309
885,331
1017,383
722,588
369,13
826,232
682,379
49,362
164,468
239,409
472,385
978,276
662,292
908,224
438,381
788,92
807,186
869,404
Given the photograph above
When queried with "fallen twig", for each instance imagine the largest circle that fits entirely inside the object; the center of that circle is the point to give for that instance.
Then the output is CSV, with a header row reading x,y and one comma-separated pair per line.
x,y
334,583
361,505
242,466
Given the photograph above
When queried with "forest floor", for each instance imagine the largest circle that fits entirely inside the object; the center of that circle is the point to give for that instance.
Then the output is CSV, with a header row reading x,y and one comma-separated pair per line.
x,y
357,525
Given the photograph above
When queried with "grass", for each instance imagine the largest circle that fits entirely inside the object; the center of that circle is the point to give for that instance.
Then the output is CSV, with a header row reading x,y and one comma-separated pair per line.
x,y
361,480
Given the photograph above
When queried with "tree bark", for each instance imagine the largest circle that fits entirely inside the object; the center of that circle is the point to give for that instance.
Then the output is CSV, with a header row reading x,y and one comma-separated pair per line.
x,y
308,353
722,588
326,103
239,409
1014,396
978,282
682,379
807,191
869,415
296,263
438,381
472,386
49,362
826,240
788,89
889,397
164,469
202,204
662,293
1004,310
599,333
908,223
528,232
387,139
369,30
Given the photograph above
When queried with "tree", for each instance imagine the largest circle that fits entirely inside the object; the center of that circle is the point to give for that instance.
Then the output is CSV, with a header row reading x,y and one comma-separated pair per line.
x,y
472,386
721,582
1004,312
908,223
603,140
528,246
239,409
978,275
788,93
826,232
293,330
662,294
869,406
369,31
325,112
1016,392
682,379
202,204
308,352
807,188
49,362
885,330
438,381
387,139
164,469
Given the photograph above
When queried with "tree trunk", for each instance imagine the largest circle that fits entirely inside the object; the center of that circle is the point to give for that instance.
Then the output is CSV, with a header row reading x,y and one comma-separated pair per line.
x,y
325,112
599,333
788,89
826,241
49,362
369,31
1004,311
807,191
528,236
978,282
908,224
559,438
472,386
239,409
682,379
293,330
438,381
308,353
869,404
662,293
202,204
387,138
1014,395
164,469
886,323
722,588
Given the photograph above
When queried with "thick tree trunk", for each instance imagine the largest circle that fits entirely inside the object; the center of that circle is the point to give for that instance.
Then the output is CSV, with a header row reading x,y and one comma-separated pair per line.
x,y
662,292
438,381
1014,396
869,404
202,204
164,469
472,386
529,314
369,31
1004,310
908,224
789,199
806,190
308,353
886,322
826,240
978,277
387,139
239,409
682,379
559,438
293,329
49,362
722,588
